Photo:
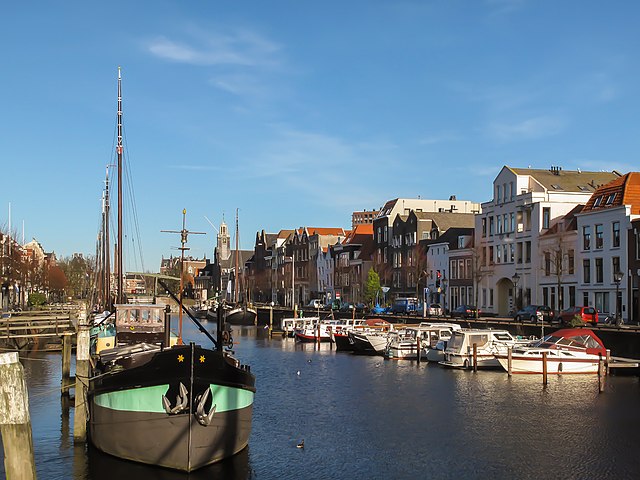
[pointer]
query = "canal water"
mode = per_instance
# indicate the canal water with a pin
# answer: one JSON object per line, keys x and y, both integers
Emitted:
{"x": 369, "y": 418}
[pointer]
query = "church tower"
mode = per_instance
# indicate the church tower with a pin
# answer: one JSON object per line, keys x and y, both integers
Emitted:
{"x": 224, "y": 242}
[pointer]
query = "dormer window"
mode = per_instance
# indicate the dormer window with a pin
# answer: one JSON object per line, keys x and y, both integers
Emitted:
{"x": 597, "y": 201}
{"x": 610, "y": 198}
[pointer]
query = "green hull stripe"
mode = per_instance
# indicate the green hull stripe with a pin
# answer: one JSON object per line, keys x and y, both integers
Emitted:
{"x": 149, "y": 399}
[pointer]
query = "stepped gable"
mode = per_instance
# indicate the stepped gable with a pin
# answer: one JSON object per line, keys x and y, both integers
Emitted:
{"x": 624, "y": 190}
{"x": 568, "y": 180}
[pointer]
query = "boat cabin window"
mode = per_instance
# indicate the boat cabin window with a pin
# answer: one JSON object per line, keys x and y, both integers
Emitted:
{"x": 140, "y": 316}
{"x": 502, "y": 336}
{"x": 456, "y": 341}
{"x": 479, "y": 339}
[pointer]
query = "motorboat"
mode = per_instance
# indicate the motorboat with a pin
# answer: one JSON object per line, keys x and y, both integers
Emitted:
{"x": 408, "y": 342}
{"x": 370, "y": 339}
{"x": 325, "y": 330}
{"x": 291, "y": 324}
{"x": 488, "y": 342}
{"x": 570, "y": 350}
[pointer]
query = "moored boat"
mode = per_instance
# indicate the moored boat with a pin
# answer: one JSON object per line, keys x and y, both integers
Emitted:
{"x": 150, "y": 401}
{"x": 411, "y": 341}
{"x": 570, "y": 350}
{"x": 488, "y": 342}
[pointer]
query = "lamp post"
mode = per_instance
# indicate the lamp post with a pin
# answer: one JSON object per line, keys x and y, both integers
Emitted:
{"x": 443, "y": 281}
{"x": 515, "y": 279}
{"x": 617, "y": 278}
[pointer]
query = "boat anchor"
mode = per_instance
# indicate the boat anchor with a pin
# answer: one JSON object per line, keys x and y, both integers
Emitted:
{"x": 204, "y": 419}
{"x": 182, "y": 401}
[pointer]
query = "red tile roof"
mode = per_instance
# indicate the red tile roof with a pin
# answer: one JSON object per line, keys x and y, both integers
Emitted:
{"x": 621, "y": 191}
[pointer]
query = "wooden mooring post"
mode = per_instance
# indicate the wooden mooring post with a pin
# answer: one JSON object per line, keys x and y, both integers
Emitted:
{"x": 66, "y": 365}
{"x": 82, "y": 380}
{"x": 15, "y": 422}
{"x": 601, "y": 371}
{"x": 544, "y": 368}
{"x": 270, "y": 321}
{"x": 418, "y": 349}
{"x": 475, "y": 357}
{"x": 510, "y": 361}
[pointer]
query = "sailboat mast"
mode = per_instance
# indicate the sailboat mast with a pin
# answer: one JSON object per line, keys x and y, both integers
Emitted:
{"x": 236, "y": 280}
{"x": 120, "y": 296}
{"x": 106, "y": 256}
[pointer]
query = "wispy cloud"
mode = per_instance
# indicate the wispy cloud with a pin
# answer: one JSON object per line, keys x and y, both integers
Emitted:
{"x": 531, "y": 128}
{"x": 239, "y": 47}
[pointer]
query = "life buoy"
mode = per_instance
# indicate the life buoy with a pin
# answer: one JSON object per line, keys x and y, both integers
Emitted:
{"x": 225, "y": 337}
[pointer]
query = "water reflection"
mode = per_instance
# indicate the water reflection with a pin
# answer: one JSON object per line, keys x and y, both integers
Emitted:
{"x": 367, "y": 417}
{"x": 106, "y": 467}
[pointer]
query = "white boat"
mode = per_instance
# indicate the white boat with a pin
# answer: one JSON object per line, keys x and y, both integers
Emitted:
{"x": 489, "y": 343}
{"x": 373, "y": 342}
{"x": 404, "y": 343}
{"x": 324, "y": 330}
{"x": 570, "y": 350}
{"x": 290, "y": 325}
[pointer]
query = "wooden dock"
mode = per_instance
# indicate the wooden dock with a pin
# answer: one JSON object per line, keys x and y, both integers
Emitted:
{"x": 36, "y": 329}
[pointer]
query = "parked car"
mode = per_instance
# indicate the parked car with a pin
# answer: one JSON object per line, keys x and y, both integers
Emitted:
{"x": 465, "y": 311}
{"x": 434, "y": 310}
{"x": 380, "y": 310}
{"x": 346, "y": 307}
{"x": 315, "y": 304}
{"x": 334, "y": 305}
{"x": 588, "y": 315}
{"x": 362, "y": 308}
{"x": 405, "y": 305}
{"x": 535, "y": 313}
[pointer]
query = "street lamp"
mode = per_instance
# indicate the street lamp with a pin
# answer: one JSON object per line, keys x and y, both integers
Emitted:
{"x": 515, "y": 279}
{"x": 617, "y": 278}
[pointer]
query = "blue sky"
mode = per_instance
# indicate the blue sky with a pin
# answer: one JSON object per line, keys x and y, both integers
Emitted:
{"x": 298, "y": 113}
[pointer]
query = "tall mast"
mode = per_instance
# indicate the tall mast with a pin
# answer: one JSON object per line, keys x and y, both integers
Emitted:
{"x": 236, "y": 280}
{"x": 120, "y": 296}
{"x": 184, "y": 233}
{"x": 106, "y": 257}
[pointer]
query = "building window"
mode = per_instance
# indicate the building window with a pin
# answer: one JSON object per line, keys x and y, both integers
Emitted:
{"x": 491, "y": 297}
{"x": 484, "y": 226}
{"x": 586, "y": 238}
{"x": 585, "y": 299}
{"x": 615, "y": 264}
{"x": 552, "y": 300}
{"x": 491, "y": 226}
{"x": 491, "y": 255}
{"x": 571, "y": 261}
{"x": 512, "y": 191}
{"x": 546, "y": 217}
{"x": 545, "y": 296}
{"x": 572, "y": 296}
{"x": 586, "y": 270}
{"x": 498, "y": 193}
{"x": 498, "y": 254}
{"x": 599, "y": 236}
{"x": 520, "y": 221}
{"x": 511, "y": 252}
{"x": 512, "y": 227}
{"x": 527, "y": 252}
{"x": 616, "y": 234}
{"x": 602, "y": 301}
{"x": 499, "y": 222}
{"x": 484, "y": 297}
{"x": 547, "y": 265}
{"x": 519, "y": 255}
{"x": 599, "y": 271}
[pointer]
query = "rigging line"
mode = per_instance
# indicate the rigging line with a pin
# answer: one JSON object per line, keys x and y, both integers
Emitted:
{"x": 136, "y": 223}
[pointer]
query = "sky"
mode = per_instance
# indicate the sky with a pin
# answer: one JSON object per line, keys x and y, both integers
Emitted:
{"x": 297, "y": 113}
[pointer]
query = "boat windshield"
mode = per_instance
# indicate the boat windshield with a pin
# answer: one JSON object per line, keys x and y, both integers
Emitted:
{"x": 455, "y": 342}
{"x": 502, "y": 336}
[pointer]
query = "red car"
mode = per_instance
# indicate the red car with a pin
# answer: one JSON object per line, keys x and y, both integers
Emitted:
{"x": 588, "y": 315}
